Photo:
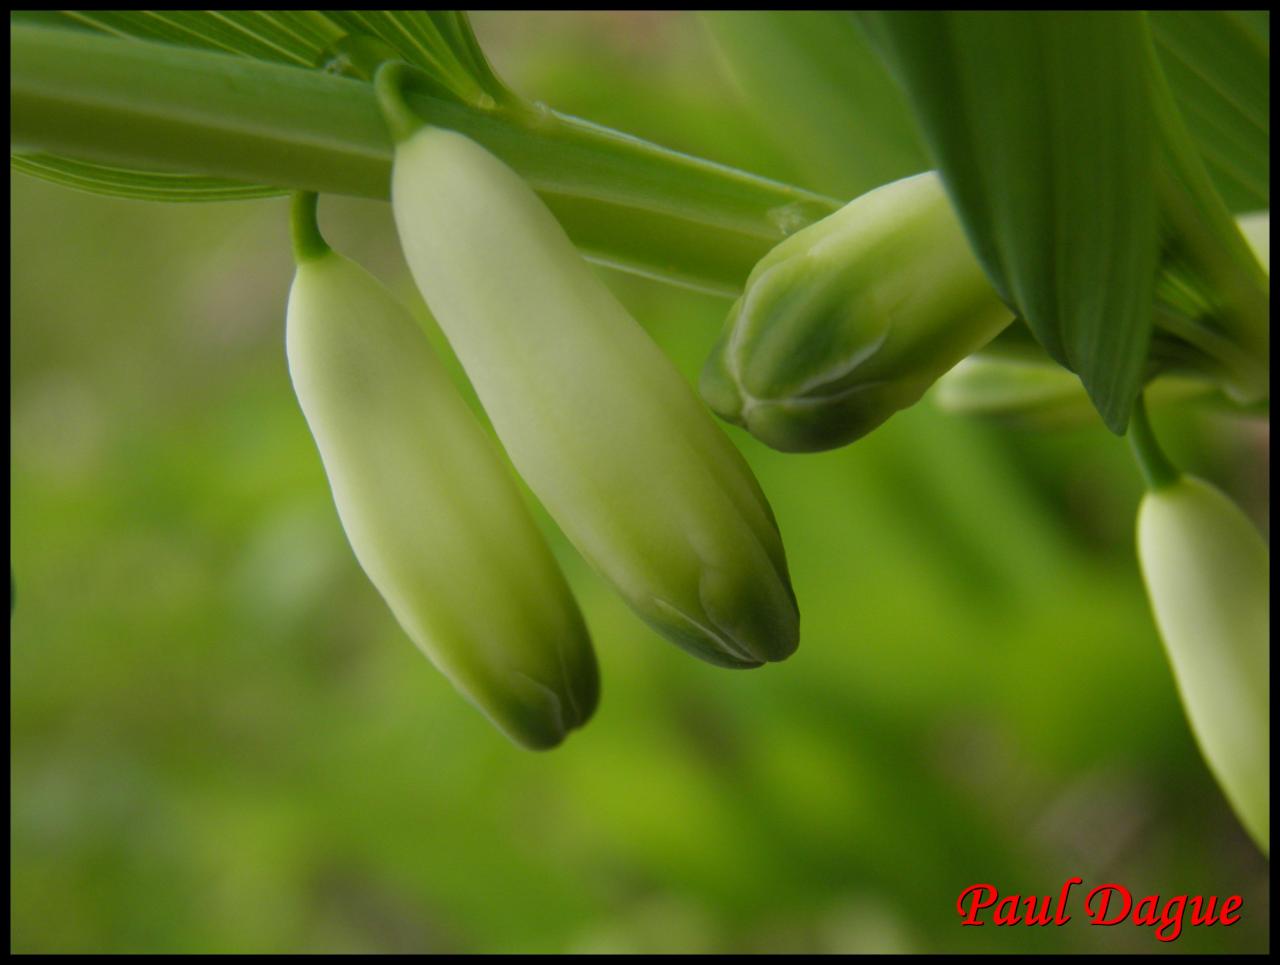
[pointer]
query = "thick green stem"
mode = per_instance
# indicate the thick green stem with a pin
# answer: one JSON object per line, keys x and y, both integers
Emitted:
{"x": 625, "y": 202}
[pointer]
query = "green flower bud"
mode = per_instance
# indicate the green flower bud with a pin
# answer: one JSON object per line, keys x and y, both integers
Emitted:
{"x": 599, "y": 423}
{"x": 1207, "y": 573}
{"x": 851, "y": 319}
{"x": 434, "y": 517}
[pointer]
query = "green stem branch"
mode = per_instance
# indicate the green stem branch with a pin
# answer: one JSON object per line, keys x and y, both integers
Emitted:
{"x": 624, "y": 201}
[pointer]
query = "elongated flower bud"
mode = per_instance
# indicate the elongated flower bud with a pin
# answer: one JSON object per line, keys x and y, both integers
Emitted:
{"x": 1034, "y": 393}
{"x": 1207, "y": 573}
{"x": 851, "y": 319}
{"x": 434, "y": 517}
{"x": 602, "y": 427}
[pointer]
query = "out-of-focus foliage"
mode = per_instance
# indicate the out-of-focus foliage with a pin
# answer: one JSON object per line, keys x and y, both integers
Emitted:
{"x": 1219, "y": 65}
{"x": 814, "y": 82}
{"x": 222, "y": 742}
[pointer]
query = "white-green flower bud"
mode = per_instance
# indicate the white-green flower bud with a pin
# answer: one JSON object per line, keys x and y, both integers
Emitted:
{"x": 434, "y": 517}
{"x": 600, "y": 424}
{"x": 1207, "y": 573}
{"x": 851, "y": 319}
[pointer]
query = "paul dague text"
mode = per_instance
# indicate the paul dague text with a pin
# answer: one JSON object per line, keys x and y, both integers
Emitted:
{"x": 1107, "y": 904}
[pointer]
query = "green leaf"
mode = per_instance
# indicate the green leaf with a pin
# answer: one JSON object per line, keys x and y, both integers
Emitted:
{"x": 1042, "y": 127}
{"x": 820, "y": 90}
{"x": 1218, "y": 63}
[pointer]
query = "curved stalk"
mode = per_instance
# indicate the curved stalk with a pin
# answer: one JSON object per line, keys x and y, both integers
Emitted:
{"x": 1157, "y": 470}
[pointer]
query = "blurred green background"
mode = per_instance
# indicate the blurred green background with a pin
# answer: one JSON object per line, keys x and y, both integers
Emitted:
{"x": 221, "y": 741}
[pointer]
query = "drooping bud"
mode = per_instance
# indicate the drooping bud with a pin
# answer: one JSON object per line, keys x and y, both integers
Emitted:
{"x": 1207, "y": 573}
{"x": 600, "y": 424}
{"x": 851, "y": 319}
{"x": 434, "y": 517}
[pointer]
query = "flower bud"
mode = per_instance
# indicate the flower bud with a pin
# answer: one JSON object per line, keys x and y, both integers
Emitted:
{"x": 603, "y": 428}
{"x": 1037, "y": 394}
{"x": 1207, "y": 573}
{"x": 851, "y": 319}
{"x": 434, "y": 517}
{"x": 1031, "y": 391}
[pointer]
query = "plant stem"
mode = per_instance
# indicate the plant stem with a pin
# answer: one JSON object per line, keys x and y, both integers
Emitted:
{"x": 1154, "y": 464}
{"x": 625, "y": 202}
{"x": 308, "y": 242}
